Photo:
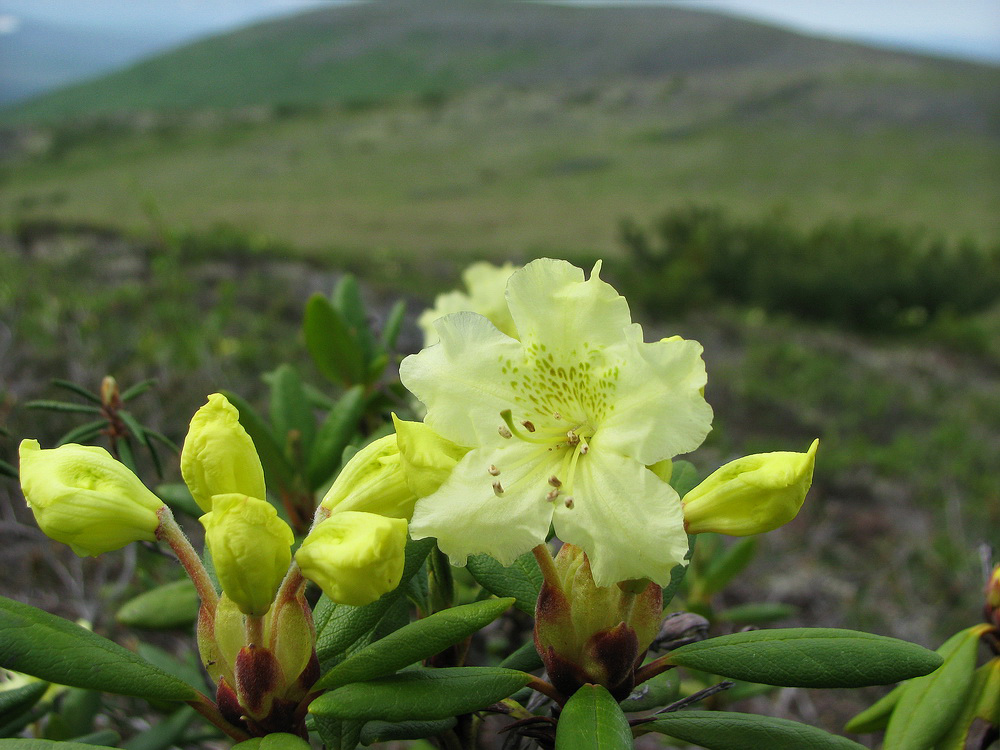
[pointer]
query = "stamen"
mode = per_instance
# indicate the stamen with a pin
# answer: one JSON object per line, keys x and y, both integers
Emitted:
{"x": 552, "y": 495}
{"x": 554, "y": 481}
{"x": 504, "y": 432}
{"x": 556, "y": 415}
{"x": 568, "y": 502}
{"x": 497, "y": 488}
{"x": 510, "y": 429}
{"x": 573, "y": 437}
{"x": 493, "y": 471}
{"x": 528, "y": 425}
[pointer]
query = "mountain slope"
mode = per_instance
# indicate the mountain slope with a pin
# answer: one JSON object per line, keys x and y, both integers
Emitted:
{"x": 427, "y": 48}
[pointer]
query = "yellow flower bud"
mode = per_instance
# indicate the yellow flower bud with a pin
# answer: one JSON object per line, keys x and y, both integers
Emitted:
{"x": 354, "y": 557}
{"x": 251, "y": 549}
{"x": 752, "y": 494}
{"x": 83, "y": 497}
{"x": 219, "y": 457}
{"x": 372, "y": 482}
{"x": 427, "y": 458}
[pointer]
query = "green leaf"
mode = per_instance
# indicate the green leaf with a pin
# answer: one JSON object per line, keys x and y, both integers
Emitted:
{"x": 172, "y": 605}
{"x": 342, "y": 629}
{"x": 125, "y": 454}
{"x": 592, "y": 720}
{"x": 727, "y": 730}
{"x": 347, "y": 300}
{"x": 160, "y": 437}
{"x": 277, "y": 469}
{"x": 43, "y": 645}
{"x": 388, "y": 731}
{"x": 525, "y": 658}
{"x": 137, "y": 390}
{"x": 756, "y": 613}
{"x": 163, "y": 735}
{"x": 79, "y": 390}
{"x": 336, "y": 734}
{"x": 74, "y": 716}
{"x": 17, "y": 701}
{"x": 334, "y": 434}
{"x": 808, "y": 657}
{"x": 414, "y": 642}
{"x": 393, "y": 325}
{"x": 678, "y": 573}
{"x": 291, "y": 414}
{"x": 684, "y": 477}
{"x": 106, "y": 737}
{"x": 67, "y": 406}
{"x": 522, "y": 580}
{"x": 275, "y": 741}
{"x": 83, "y": 433}
{"x": 178, "y": 497}
{"x": 8, "y": 470}
{"x": 658, "y": 691}
{"x": 930, "y": 704}
{"x": 31, "y": 744}
{"x": 725, "y": 567}
{"x": 331, "y": 346}
{"x": 376, "y": 367}
{"x": 982, "y": 705}
{"x": 875, "y": 718}
{"x": 421, "y": 694}
{"x": 188, "y": 669}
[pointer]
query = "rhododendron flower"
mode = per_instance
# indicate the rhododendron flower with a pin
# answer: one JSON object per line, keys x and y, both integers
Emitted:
{"x": 562, "y": 422}
{"x": 486, "y": 284}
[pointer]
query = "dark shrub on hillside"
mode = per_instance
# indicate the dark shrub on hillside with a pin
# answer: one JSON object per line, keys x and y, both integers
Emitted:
{"x": 859, "y": 274}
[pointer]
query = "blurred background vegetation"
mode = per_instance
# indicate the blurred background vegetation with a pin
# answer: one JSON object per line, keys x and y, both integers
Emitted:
{"x": 821, "y": 215}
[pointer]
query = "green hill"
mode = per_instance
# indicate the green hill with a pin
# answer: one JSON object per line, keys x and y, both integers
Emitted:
{"x": 509, "y": 127}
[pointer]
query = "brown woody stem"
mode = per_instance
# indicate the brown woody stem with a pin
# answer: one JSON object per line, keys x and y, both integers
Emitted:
{"x": 169, "y": 532}
{"x": 211, "y": 712}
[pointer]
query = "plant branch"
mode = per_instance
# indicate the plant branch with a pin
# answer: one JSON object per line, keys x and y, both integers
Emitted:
{"x": 171, "y": 533}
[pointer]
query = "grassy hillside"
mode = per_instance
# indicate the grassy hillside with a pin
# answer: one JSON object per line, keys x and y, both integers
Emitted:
{"x": 500, "y": 128}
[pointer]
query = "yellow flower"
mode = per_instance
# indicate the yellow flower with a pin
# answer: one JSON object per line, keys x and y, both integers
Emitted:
{"x": 486, "y": 284}
{"x": 219, "y": 457}
{"x": 752, "y": 494}
{"x": 427, "y": 459}
{"x": 251, "y": 549}
{"x": 83, "y": 497}
{"x": 354, "y": 557}
{"x": 372, "y": 482}
{"x": 561, "y": 422}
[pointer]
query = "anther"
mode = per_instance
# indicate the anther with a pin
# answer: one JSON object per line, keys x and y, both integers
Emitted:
{"x": 556, "y": 415}
{"x": 528, "y": 425}
{"x": 554, "y": 481}
{"x": 568, "y": 502}
{"x": 498, "y": 488}
{"x": 552, "y": 495}
{"x": 584, "y": 449}
{"x": 493, "y": 471}
{"x": 504, "y": 432}
{"x": 573, "y": 437}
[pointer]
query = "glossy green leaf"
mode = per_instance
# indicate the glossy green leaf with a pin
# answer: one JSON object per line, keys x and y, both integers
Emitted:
{"x": 334, "y": 435}
{"x": 102, "y": 737}
{"x": 982, "y": 706}
{"x": 40, "y": 644}
{"x": 929, "y": 705}
{"x": 525, "y": 658}
{"x": 331, "y": 346}
{"x": 662, "y": 689}
{"x": 347, "y": 300}
{"x": 274, "y": 741}
{"x": 393, "y": 325}
{"x": 592, "y": 720}
{"x": 808, "y": 657}
{"x": 342, "y": 629}
{"x": 79, "y": 390}
{"x": 138, "y": 389}
{"x": 756, "y": 613}
{"x": 729, "y": 564}
{"x": 291, "y": 414}
{"x": 727, "y": 730}
{"x": 67, "y": 406}
{"x": 74, "y": 716}
{"x": 337, "y": 734}
{"x": 277, "y": 468}
{"x": 422, "y": 694}
{"x": 414, "y": 642}
{"x": 388, "y": 731}
{"x": 172, "y": 605}
{"x": 17, "y": 701}
{"x": 187, "y": 668}
{"x": 679, "y": 573}
{"x": 165, "y": 734}
{"x": 521, "y": 580}
{"x": 875, "y": 718}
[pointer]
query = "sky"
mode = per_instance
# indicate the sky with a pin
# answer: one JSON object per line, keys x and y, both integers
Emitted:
{"x": 966, "y": 28}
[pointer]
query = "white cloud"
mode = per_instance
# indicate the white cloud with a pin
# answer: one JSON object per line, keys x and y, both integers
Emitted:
{"x": 9, "y": 23}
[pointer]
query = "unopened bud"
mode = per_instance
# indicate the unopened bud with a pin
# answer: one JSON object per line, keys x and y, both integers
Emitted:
{"x": 83, "y": 497}
{"x": 354, "y": 557}
{"x": 752, "y": 494}
{"x": 992, "y": 609}
{"x": 427, "y": 458}
{"x": 251, "y": 549}
{"x": 372, "y": 482}
{"x": 218, "y": 457}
